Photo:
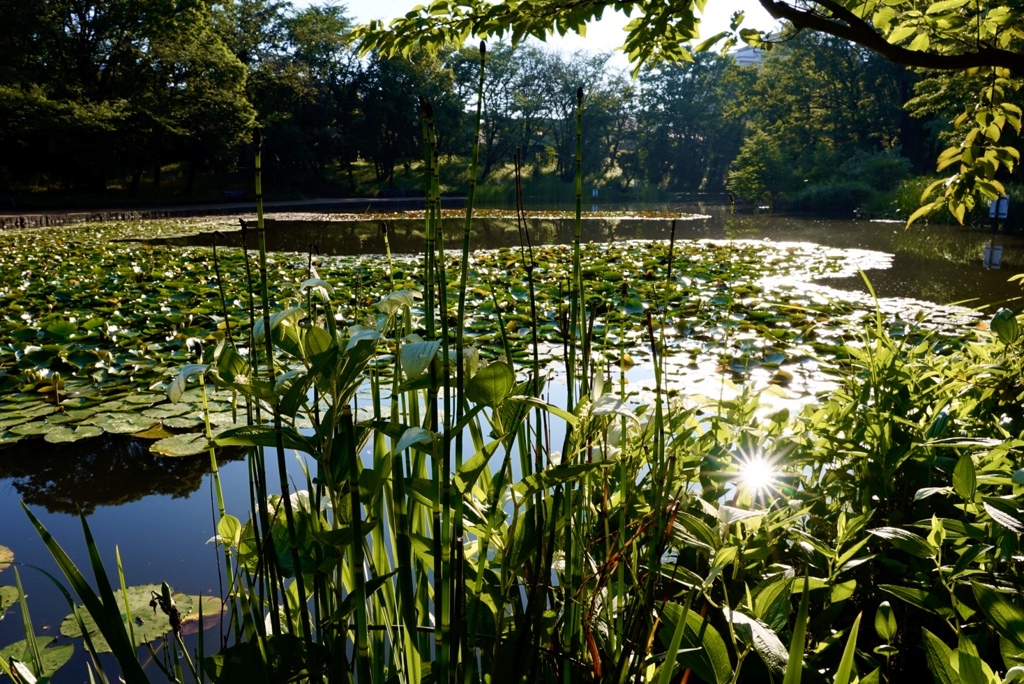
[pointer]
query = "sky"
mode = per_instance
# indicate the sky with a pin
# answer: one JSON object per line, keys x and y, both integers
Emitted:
{"x": 604, "y": 36}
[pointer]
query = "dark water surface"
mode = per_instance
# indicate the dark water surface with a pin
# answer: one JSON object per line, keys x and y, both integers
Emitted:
{"x": 160, "y": 511}
{"x": 941, "y": 264}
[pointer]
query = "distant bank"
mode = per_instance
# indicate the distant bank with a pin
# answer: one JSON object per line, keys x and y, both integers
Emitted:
{"x": 13, "y": 218}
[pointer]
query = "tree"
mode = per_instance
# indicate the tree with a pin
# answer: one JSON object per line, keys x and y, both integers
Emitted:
{"x": 99, "y": 89}
{"x": 557, "y": 80}
{"x": 689, "y": 124}
{"x": 823, "y": 101}
{"x": 945, "y": 35}
{"x": 197, "y": 94}
{"x": 760, "y": 173}
{"x": 316, "y": 122}
{"x": 389, "y": 126}
{"x": 513, "y": 108}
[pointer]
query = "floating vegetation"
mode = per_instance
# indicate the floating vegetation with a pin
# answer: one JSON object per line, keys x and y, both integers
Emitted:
{"x": 94, "y": 325}
{"x": 147, "y": 622}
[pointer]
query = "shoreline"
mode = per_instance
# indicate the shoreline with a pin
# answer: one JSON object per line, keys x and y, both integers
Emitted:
{"x": 63, "y": 217}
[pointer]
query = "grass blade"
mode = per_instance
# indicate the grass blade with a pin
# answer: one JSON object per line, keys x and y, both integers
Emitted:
{"x": 846, "y": 664}
{"x": 795, "y": 666}
{"x": 105, "y": 612}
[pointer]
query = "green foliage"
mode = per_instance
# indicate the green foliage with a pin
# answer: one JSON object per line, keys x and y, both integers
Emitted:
{"x": 945, "y": 35}
{"x": 837, "y": 198}
{"x": 761, "y": 172}
{"x": 897, "y": 485}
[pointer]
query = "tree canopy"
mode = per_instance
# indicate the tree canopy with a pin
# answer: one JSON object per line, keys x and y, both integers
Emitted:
{"x": 986, "y": 36}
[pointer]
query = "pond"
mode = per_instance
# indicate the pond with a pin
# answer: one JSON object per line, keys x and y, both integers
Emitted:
{"x": 940, "y": 264}
{"x": 159, "y": 511}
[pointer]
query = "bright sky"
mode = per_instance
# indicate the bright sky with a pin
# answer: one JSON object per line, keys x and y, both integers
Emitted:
{"x": 603, "y": 36}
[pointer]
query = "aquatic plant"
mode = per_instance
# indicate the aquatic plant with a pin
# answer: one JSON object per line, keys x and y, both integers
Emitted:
{"x": 464, "y": 517}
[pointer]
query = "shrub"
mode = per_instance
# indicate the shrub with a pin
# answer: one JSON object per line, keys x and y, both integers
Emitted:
{"x": 834, "y": 198}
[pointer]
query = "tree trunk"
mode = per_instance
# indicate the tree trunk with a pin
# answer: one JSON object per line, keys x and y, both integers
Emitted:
{"x": 133, "y": 189}
{"x": 193, "y": 170}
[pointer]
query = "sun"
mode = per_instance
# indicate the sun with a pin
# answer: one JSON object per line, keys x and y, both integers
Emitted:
{"x": 757, "y": 474}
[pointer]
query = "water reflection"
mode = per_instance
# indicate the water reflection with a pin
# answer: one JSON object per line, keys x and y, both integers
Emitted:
{"x": 405, "y": 236}
{"x": 942, "y": 264}
{"x": 105, "y": 471}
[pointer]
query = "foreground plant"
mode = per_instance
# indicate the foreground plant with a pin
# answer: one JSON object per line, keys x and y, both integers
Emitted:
{"x": 457, "y": 524}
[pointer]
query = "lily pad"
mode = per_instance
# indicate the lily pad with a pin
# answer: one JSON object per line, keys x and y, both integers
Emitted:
{"x": 62, "y": 328}
{"x": 155, "y": 432}
{"x": 184, "y": 422}
{"x": 52, "y": 658}
{"x": 212, "y": 609}
{"x": 8, "y": 597}
{"x": 147, "y": 399}
{"x": 168, "y": 411}
{"x": 188, "y": 444}
{"x": 65, "y": 434}
{"x": 123, "y": 423}
{"x": 36, "y": 428}
{"x": 147, "y": 625}
{"x": 6, "y": 558}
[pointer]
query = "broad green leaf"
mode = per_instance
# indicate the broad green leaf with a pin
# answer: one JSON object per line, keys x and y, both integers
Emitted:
{"x": 148, "y": 625}
{"x": 66, "y": 434}
{"x": 492, "y": 384}
{"x": 771, "y": 601}
{"x": 1004, "y": 612}
{"x": 710, "y": 661}
{"x": 467, "y": 475}
{"x": 186, "y": 444}
{"x": 885, "y": 622}
{"x": 945, "y": 6}
{"x": 728, "y": 514}
{"x": 230, "y": 530}
{"x": 316, "y": 342}
{"x": 178, "y": 385}
{"x": 939, "y": 657}
{"x": 901, "y": 33}
{"x": 411, "y": 436}
{"x": 906, "y": 541}
{"x": 417, "y": 356}
{"x": 62, "y": 329}
{"x": 212, "y": 608}
{"x": 764, "y": 640}
{"x": 52, "y": 657}
{"x": 264, "y": 436}
{"x": 398, "y": 300}
{"x": 8, "y": 597}
{"x": 843, "y": 590}
{"x": 969, "y": 662}
{"x": 281, "y": 318}
{"x": 932, "y": 603}
{"x": 555, "y": 475}
{"x": 1005, "y": 513}
{"x": 965, "y": 478}
{"x": 1004, "y": 324}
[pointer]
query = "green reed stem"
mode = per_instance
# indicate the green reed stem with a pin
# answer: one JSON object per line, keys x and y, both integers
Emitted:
{"x": 573, "y": 559}
{"x": 577, "y": 271}
{"x": 460, "y": 371}
{"x": 289, "y": 514}
{"x": 440, "y": 470}
{"x": 351, "y": 456}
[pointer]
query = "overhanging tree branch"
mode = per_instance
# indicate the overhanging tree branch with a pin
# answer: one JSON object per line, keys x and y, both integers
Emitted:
{"x": 844, "y": 24}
